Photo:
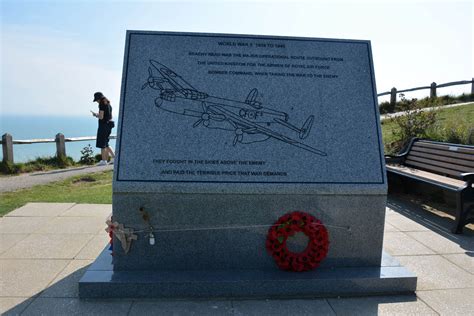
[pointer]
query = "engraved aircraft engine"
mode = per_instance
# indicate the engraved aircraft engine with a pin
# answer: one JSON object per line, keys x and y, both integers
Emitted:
{"x": 207, "y": 116}
{"x": 248, "y": 136}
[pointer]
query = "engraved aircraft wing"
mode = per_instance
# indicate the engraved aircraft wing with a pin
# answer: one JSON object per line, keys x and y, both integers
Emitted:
{"x": 176, "y": 81}
{"x": 235, "y": 119}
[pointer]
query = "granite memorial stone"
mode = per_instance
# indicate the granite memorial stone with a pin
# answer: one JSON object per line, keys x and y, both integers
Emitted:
{"x": 219, "y": 136}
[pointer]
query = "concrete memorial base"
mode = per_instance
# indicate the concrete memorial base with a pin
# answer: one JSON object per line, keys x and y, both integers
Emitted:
{"x": 100, "y": 281}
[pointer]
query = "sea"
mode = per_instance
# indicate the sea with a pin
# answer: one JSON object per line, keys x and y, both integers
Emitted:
{"x": 23, "y": 127}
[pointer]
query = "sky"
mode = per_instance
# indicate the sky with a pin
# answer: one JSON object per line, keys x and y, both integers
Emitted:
{"x": 56, "y": 54}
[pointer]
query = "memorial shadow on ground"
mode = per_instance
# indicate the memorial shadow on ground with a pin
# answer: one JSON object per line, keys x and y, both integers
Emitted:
{"x": 438, "y": 223}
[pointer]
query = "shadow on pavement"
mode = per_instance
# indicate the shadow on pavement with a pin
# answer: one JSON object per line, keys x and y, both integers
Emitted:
{"x": 437, "y": 223}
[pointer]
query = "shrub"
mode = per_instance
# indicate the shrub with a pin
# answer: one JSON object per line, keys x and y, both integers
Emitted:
{"x": 385, "y": 107}
{"x": 39, "y": 164}
{"x": 87, "y": 155}
{"x": 413, "y": 123}
{"x": 466, "y": 97}
{"x": 8, "y": 168}
{"x": 61, "y": 161}
{"x": 457, "y": 131}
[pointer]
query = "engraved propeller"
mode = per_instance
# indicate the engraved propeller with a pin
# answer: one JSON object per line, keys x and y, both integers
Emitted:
{"x": 207, "y": 115}
{"x": 239, "y": 132}
{"x": 239, "y": 136}
{"x": 151, "y": 81}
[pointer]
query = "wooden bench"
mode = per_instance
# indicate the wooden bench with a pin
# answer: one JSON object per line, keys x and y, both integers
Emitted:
{"x": 446, "y": 166}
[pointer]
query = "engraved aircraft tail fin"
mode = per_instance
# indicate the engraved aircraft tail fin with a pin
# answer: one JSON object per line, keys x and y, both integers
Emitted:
{"x": 252, "y": 99}
{"x": 306, "y": 129}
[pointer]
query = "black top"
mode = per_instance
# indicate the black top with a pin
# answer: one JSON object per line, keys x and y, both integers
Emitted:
{"x": 107, "y": 108}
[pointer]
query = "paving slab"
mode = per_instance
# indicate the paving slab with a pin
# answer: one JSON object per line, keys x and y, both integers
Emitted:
{"x": 74, "y": 225}
{"x": 48, "y": 246}
{"x": 65, "y": 284}
{"x": 74, "y": 306}
{"x": 89, "y": 210}
{"x": 463, "y": 261}
{"x": 181, "y": 308}
{"x": 26, "y": 278}
{"x": 390, "y": 228}
{"x": 450, "y": 302}
{"x": 399, "y": 243}
{"x": 41, "y": 209}
{"x": 94, "y": 247}
{"x": 381, "y": 305}
{"x": 23, "y": 225}
{"x": 9, "y": 240}
{"x": 403, "y": 223}
{"x": 450, "y": 243}
{"x": 13, "y": 305}
{"x": 435, "y": 272}
{"x": 282, "y": 307}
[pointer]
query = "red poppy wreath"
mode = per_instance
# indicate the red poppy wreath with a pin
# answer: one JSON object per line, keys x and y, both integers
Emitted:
{"x": 287, "y": 226}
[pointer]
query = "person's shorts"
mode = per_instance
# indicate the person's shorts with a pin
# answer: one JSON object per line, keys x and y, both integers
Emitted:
{"x": 103, "y": 133}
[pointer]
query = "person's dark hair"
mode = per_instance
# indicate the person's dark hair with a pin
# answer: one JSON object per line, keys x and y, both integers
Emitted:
{"x": 104, "y": 100}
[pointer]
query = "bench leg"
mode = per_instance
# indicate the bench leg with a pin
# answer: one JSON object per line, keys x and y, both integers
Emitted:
{"x": 461, "y": 214}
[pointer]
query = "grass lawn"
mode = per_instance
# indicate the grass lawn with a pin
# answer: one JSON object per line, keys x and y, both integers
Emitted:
{"x": 90, "y": 188}
{"x": 463, "y": 113}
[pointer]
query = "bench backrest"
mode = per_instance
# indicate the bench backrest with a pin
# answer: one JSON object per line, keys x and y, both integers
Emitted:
{"x": 441, "y": 158}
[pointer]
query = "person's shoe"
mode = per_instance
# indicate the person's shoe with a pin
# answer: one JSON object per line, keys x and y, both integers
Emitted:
{"x": 102, "y": 163}
{"x": 111, "y": 162}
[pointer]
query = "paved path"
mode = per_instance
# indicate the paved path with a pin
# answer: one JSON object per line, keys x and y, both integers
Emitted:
{"x": 12, "y": 183}
{"x": 46, "y": 247}
{"x": 392, "y": 115}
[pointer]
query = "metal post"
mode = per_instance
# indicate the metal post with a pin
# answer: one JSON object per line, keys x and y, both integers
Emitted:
{"x": 7, "y": 146}
{"x": 472, "y": 86}
{"x": 393, "y": 96}
{"x": 60, "y": 145}
{"x": 433, "y": 90}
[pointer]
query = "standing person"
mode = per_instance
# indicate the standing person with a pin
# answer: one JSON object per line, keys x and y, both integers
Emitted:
{"x": 105, "y": 128}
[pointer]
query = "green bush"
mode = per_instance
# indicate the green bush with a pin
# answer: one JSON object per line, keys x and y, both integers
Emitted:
{"x": 8, "y": 168}
{"x": 466, "y": 97}
{"x": 413, "y": 123}
{"x": 87, "y": 155}
{"x": 386, "y": 107}
{"x": 39, "y": 164}
{"x": 458, "y": 131}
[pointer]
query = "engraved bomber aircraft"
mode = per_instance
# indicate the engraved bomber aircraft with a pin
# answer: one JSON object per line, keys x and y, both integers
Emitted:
{"x": 248, "y": 120}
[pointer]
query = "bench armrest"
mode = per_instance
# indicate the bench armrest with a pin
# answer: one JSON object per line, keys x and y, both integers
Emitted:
{"x": 468, "y": 177}
{"x": 400, "y": 157}
{"x": 393, "y": 159}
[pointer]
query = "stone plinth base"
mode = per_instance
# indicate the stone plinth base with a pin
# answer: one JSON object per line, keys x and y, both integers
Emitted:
{"x": 100, "y": 281}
